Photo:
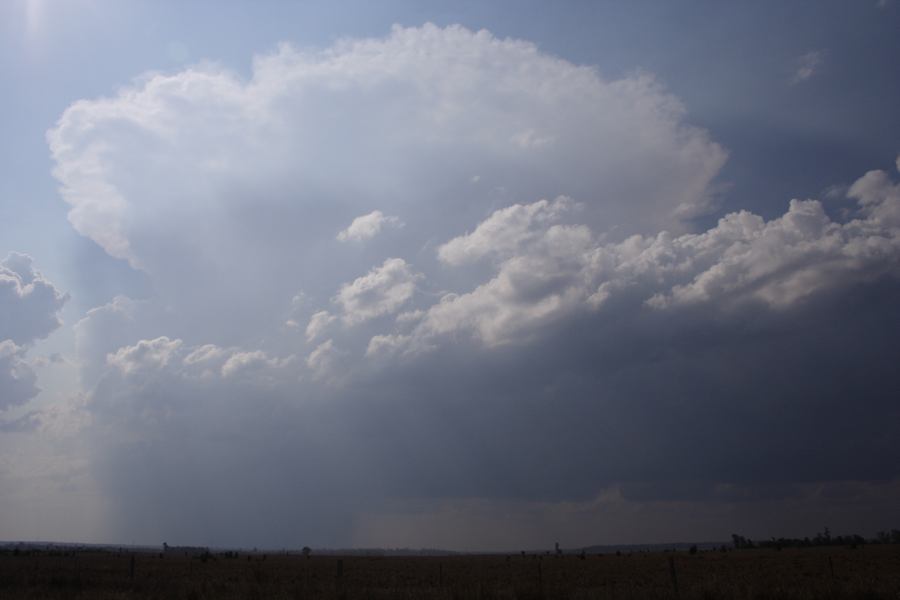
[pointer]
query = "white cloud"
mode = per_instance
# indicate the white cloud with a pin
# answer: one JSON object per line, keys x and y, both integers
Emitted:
{"x": 209, "y": 358}
{"x": 808, "y": 65}
{"x": 539, "y": 284}
{"x": 878, "y": 197}
{"x": 323, "y": 360}
{"x": 318, "y": 323}
{"x": 504, "y": 232}
{"x": 367, "y": 226}
{"x": 146, "y": 355}
{"x": 410, "y": 316}
{"x": 164, "y": 357}
{"x": 18, "y": 382}
{"x": 549, "y": 271}
{"x": 29, "y": 311}
{"x": 226, "y": 190}
{"x": 382, "y": 291}
{"x": 251, "y": 364}
{"x": 387, "y": 345}
{"x": 107, "y": 328}
{"x": 28, "y": 302}
{"x": 64, "y": 418}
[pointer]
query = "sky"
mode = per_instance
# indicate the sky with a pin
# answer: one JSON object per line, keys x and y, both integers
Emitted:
{"x": 462, "y": 275}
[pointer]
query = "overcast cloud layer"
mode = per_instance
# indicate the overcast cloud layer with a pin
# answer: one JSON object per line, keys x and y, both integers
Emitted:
{"x": 434, "y": 274}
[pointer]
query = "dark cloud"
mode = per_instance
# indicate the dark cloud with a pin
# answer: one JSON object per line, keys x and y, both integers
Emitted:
{"x": 687, "y": 409}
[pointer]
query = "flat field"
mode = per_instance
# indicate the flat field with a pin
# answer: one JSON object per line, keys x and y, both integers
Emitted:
{"x": 871, "y": 572}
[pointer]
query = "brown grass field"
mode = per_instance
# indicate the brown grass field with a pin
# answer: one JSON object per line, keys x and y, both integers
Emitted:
{"x": 871, "y": 572}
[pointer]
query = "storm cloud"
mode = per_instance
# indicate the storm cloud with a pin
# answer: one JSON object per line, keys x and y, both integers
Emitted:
{"x": 548, "y": 330}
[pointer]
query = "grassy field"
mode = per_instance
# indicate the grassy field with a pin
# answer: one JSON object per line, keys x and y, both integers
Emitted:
{"x": 871, "y": 572}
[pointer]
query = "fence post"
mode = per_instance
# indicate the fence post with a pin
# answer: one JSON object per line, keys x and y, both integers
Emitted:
{"x": 339, "y": 576}
{"x": 674, "y": 575}
{"x": 540, "y": 579}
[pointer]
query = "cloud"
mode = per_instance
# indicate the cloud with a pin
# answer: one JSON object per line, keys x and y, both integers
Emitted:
{"x": 247, "y": 364}
{"x": 382, "y": 291}
{"x": 546, "y": 271}
{"x": 146, "y": 355}
{"x": 226, "y": 190}
{"x": 29, "y": 311}
{"x": 808, "y": 65}
{"x": 367, "y": 226}
{"x": 64, "y": 419}
{"x": 389, "y": 345}
{"x": 318, "y": 323}
{"x": 106, "y": 329}
{"x": 150, "y": 358}
{"x": 532, "y": 287}
{"x": 18, "y": 382}
{"x": 878, "y": 197}
{"x": 556, "y": 330}
{"x": 636, "y": 400}
{"x": 504, "y": 232}
{"x": 28, "y": 302}
{"x": 323, "y": 359}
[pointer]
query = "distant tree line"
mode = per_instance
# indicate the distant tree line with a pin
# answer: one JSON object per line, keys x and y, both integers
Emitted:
{"x": 823, "y": 538}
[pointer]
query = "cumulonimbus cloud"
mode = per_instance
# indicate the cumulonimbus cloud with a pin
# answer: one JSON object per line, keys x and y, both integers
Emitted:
{"x": 225, "y": 190}
{"x": 228, "y": 191}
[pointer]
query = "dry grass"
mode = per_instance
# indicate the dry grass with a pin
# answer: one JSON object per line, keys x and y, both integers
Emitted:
{"x": 871, "y": 572}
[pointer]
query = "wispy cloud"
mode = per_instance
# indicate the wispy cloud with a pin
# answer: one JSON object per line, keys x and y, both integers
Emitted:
{"x": 807, "y": 65}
